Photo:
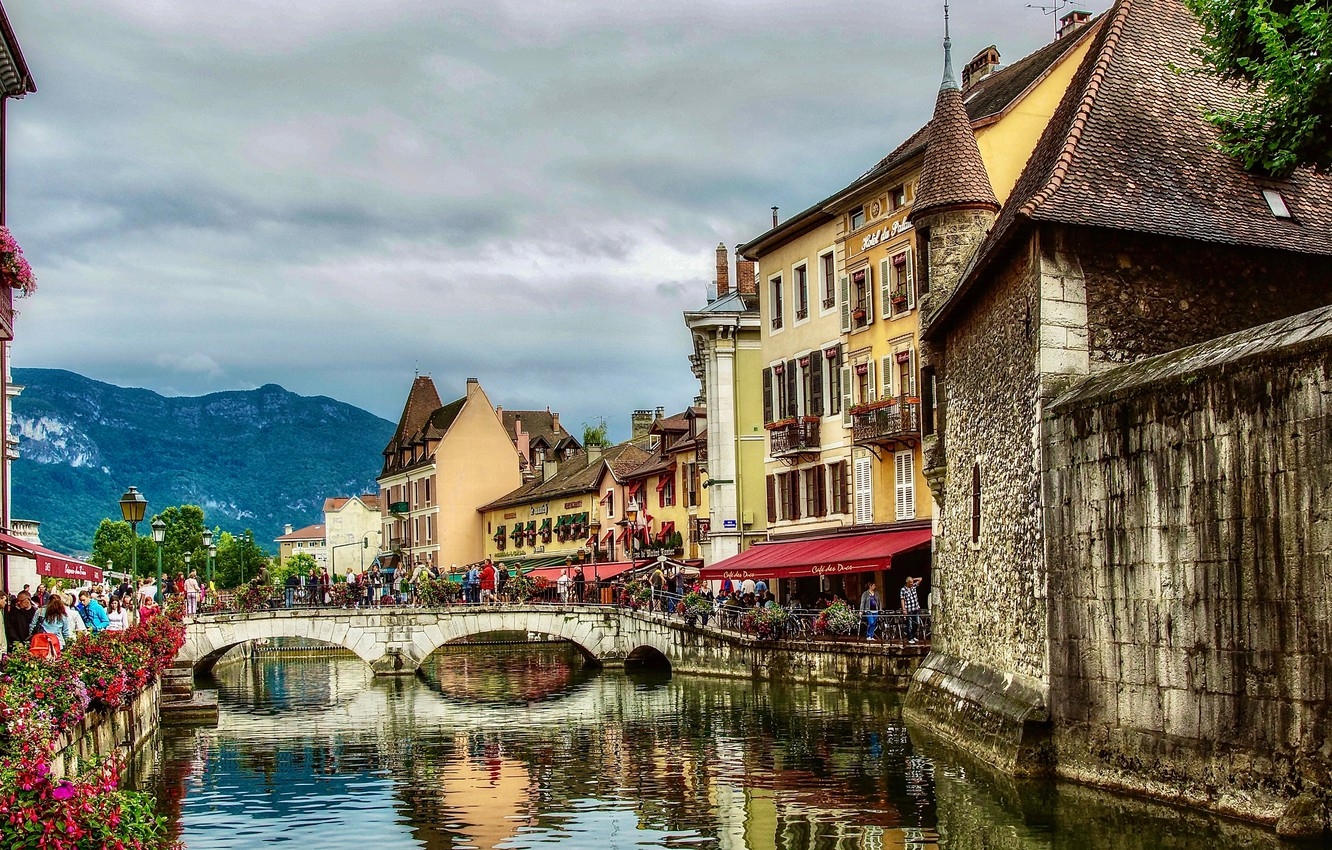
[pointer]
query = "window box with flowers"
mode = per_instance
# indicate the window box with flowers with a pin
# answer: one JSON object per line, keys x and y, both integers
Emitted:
{"x": 779, "y": 424}
{"x": 14, "y": 268}
{"x": 858, "y": 314}
{"x": 871, "y": 406}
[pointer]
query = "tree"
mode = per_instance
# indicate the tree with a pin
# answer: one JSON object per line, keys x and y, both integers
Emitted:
{"x": 596, "y": 435}
{"x": 238, "y": 559}
{"x": 299, "y": 564}
{"x": 112, "y": 542}
{"x": 1281, "y": 52}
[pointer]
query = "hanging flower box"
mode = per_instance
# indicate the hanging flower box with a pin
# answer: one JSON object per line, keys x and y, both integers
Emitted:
{"x": 780, "y": 423}
{"x": 858, "y": 314}
{"x": 14, "y": 269}
{"x": 871, "y": 406}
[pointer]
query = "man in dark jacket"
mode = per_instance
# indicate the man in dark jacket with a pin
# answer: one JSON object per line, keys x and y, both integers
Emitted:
{"x": 18, "y": 619}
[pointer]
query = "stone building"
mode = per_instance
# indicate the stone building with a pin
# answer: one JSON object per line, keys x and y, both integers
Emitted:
{"x": 1087, "y": 621}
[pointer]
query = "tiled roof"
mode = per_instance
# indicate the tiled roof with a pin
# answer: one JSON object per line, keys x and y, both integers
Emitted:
{"x": 578, "y": 474}
{"x": 984, "y": 101}
{"x": 538, "y": 424}
{"x": 954, "y": 174}
{"x": 1129, "y": 148}
{"x": 336, "y": 503}
{"x": 310, "y": 532}
{"x": 422, "y": 400}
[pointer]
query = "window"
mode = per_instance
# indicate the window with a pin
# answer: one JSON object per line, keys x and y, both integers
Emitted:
{"x": 857, "y": 218}
{"x": 975, "y": 503}
{"x": 837, "y": 477}
{"x": 858, "y": 308}
{"x": 896, "y": 276}
{"x": 666, "y": 490}
{"x": 691, "y": 479}
{"x": 923, "y": 259}
{"x": 610, "y": 503}
{"x": 775, "y": 287}
{"x": 816, "y": 491}
{"x": 789, "y": 485}
{"x": 801, "y": 275}
{"x": 864, "y": 485}
{"x": 904, "y": 477}
{"x": 427, "y": 491}
{"x": 829, "y": 284}
{"x": 814, "y": 394}
{"x": 772, "y": 499}
{"x": 897, "y": 198}
{"x": 833, "y": 371}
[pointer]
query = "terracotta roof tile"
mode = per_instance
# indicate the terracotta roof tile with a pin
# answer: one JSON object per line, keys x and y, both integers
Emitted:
{"x": 575, "y": 475}
{"x": 310, "y": 532}
{"x": 954, "y": 174}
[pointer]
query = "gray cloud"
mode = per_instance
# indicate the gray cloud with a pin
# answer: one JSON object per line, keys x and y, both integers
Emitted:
{"x": 328, "y": 194}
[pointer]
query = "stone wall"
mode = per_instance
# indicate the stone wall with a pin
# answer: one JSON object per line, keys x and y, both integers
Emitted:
{"x": 101, "y": 733}
{"x": 1191, "y": 573}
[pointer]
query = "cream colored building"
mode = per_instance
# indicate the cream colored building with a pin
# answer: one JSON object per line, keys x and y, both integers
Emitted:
{"x": 444, "y": 461}
{"x": 353, "y": 528}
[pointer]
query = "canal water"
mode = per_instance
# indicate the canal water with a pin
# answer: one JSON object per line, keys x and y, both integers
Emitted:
{"x": 520, "y": 747}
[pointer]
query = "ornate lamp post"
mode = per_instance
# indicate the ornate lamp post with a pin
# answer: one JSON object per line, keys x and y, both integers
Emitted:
{"x": 595, "y": 527}
{"x": 211, "y": 550}
{"x": 132, "y": 507}
{"x": 159, "y": 537}
{"x": 188, "y": 555}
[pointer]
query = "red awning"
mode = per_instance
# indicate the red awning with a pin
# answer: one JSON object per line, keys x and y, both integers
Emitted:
{"x": 604, "y": 571}
{"x": 51, "y": 563}
{"x": 844, "y": 553}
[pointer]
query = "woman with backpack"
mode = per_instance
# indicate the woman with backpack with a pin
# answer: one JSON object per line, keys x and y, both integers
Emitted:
{"x": 53, "y": 621}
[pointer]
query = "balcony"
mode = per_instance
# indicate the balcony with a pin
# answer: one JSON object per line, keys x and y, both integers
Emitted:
{"x": 887, "y": 423}
{"x": 789, "y": 437}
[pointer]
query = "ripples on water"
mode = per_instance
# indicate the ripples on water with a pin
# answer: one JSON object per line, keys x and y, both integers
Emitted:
{"x": 520, "y": 747}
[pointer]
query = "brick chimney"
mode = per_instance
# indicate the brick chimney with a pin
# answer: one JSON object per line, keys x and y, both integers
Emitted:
{"x": 640, "y": 423}
{"x": 723, "y": 272}
{"x": 982, "y": 65}
{"x": 744, "y": 275}
{"x": 1072, "y": 22}
{"x": 554, "y": 422}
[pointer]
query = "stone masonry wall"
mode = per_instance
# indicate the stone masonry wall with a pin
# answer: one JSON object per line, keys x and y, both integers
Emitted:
{"x": 1190, "y": 557}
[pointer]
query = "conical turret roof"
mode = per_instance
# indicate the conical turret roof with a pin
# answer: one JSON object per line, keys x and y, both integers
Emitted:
{"x": 953, "y": 176}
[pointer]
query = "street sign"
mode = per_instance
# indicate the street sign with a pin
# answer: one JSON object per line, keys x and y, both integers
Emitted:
{"x": 730, "y": 524}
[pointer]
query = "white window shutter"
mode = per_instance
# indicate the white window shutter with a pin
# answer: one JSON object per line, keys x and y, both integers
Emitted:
{"x": 870, "y": 386}
{"x": 912, "y": 375}
{"x": 888, "y": 372}
{"x": 846, "y": 304}
{"x": 846, "y": 396}
{"x": 869, "y": 295}
{"x": 910, "y": 279}
{"x": 905, "y": 479}
{"x": 885, "y": 295}
{"x": 864, "y": 491}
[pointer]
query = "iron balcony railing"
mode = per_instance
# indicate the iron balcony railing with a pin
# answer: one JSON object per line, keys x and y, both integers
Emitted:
{"x": 893, "y": 422}
{"x": 799, "y": 435}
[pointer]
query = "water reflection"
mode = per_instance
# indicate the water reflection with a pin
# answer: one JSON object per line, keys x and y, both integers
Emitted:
{"x": 522, "y": 748}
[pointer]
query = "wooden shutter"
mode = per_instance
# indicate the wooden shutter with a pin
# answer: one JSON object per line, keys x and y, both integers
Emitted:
{"x": 792, "y": 388}
{"x": 910, "y": 279}
{"x": 820, "y": 490}
{"x": 889, "y": 364}
{"x": 846, "y": 304}
{"x": 847, "y": 378}
{"x": 767, "y": 395}
{"x": 864, "y": 491}
{"x": 772, "y": 499}
{"x": 885, "y": 292}
{"x": 815, "y": 407}
{"x": 869, "y": 295}
{"x": 871, "y": 387}
{"x": 904, "y": 474}
{"x": 793, "y": 493}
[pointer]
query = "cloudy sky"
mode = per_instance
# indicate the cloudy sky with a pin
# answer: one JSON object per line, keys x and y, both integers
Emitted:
{"x": 329, "y": 194}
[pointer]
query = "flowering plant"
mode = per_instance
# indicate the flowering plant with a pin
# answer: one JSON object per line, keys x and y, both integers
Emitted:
{"x": 697, "y": 604}
{"x": 434, "y": 592}
{"x": 837, "y": 619}
{"x": 253, "y": 597}
{"x": 766, "y": 622}
{"x": 14, "y": 268}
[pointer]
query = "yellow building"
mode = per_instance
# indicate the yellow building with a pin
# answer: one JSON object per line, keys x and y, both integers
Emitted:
{"x": 443, "y": 461}
{"x": 352, "y": 529}
{"x": 841, "y": 372}
{"x": 540, "y": 524}
{"x": 668, "y": 488}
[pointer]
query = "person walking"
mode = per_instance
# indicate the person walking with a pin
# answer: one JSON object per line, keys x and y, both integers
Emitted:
{"x": 488, "y": 583}
{"x": 55, "y": 620}
{"x": 192, "y": 593}
{"x": 911, "y": 606}
{"x": 93, "y": 613}
{"x": 869, "y": 611}
{"x": 579, "y": 584}
{"x": 117, "y": 618}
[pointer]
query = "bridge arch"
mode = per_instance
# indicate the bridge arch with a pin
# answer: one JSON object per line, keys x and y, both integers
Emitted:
{"x": 397, "y": 641}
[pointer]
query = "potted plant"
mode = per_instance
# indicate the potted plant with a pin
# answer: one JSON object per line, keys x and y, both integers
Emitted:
{"x": 858, "y": 314}
{"x": 765, "y": 623}
{"x": 697, "y": 606}
{"x": 14, "y": 268}
{"x": 778, "y": 424}
{"x": 837, "y": 619}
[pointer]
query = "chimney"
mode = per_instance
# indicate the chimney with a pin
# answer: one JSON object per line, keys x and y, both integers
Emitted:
{"x": 286, "y": 529}
{"x": 522, "y": 441}
{"x": 774, "y": 216}
{"x": 548, "y": 469}
{"x": 661, "y": 413}
{"x": 982, "y": 65}
{"x": 640, "y": 423}
{"x": 744, "y": 275}
{"x": 1072, "y": 22}
{"x": 594, "y": 455}
{"x": 473, "y": 385}
{"x": 723, "y": 271}
{"x": 555, "y": 422}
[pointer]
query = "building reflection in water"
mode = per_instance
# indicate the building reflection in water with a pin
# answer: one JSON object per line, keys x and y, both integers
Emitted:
{"x": 523, "y": 748}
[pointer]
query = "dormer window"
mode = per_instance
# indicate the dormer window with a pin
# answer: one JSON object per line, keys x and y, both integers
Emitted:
{"x": 1276, "y": 203}
{"x": 858, "y": 218}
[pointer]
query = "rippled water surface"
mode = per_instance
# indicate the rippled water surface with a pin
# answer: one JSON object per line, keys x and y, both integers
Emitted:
{"x": 520, "y": 747}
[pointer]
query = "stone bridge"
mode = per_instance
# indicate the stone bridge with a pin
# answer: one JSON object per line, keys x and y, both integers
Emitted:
{"x": 396, "y": 641}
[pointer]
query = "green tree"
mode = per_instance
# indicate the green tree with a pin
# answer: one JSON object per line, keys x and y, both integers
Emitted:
{"x": 113, "y": 542}
{"x": 300, "y": 564}
{"x": 184, "y": 533}
{"x": 1281, "y": 52}
{"x": 596, "y": 435}
{"x": 238, "y": 559}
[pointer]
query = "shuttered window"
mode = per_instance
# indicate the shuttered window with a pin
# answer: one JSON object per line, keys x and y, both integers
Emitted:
{"x": 772, "y": 499}
{"x": 904, "y": 474}
{"x": 792, "y": 388}
{"x": 815, "y": 383}
{"x": 864, "y": 491}
{"x": 767, "y": 396}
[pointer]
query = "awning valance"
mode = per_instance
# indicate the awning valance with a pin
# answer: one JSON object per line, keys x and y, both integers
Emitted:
{"x": 51, "y": 563}
{"x": 820, "y": 556}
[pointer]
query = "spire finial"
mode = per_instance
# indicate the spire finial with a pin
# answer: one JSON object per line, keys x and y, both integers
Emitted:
{"x": 949, "y": 81}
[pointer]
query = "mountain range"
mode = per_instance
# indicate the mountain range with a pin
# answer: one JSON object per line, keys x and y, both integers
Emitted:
{"x": 253, "y": 459}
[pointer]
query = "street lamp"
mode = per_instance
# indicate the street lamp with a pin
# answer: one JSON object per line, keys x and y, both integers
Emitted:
{"x": 159, "y": 537}
{"x": 595, "y": 527}
{"x": 188, "y": 555}
{"x": 211, "y": 550}
{"x": 132, "y": 507}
